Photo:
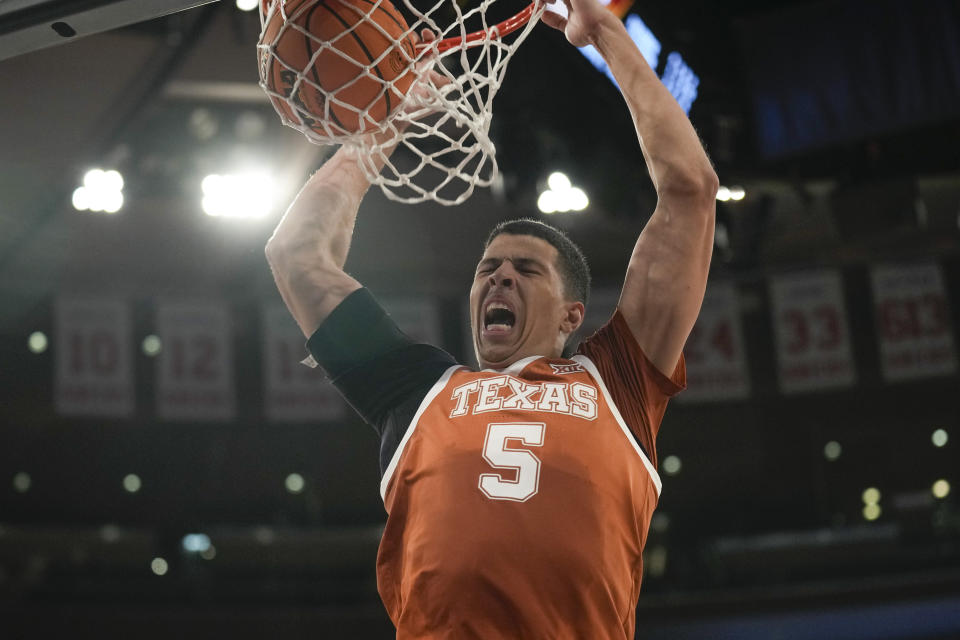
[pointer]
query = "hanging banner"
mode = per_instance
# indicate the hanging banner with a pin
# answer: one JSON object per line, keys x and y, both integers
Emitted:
{"x": 94, "y": 368}
{"x": 715, "y": 356}
{"x": 416, "y": 317}
{"x": 292, "y": 391}
{"x": 811, "y": 333}
{"x": 913, "y": 321}
{"x": 195, "y": 365}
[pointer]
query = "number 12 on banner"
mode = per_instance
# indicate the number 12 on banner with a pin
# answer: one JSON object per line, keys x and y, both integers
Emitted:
{"x": 195, "y": 380}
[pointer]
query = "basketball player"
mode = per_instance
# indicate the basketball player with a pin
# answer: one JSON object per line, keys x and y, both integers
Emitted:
{"x": 519, "y": 496}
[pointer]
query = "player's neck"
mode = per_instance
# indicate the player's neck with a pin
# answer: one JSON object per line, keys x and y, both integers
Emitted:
{"x": 525, "y": 354}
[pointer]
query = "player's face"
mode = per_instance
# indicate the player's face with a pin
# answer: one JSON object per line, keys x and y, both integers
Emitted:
{"x": 517, "y": 302}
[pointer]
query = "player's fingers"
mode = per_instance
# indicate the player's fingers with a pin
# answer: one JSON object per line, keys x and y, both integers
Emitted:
{"x": 553, "y": 20}
{"x": 427, "y": 35}
{"x": 441, "y": 82}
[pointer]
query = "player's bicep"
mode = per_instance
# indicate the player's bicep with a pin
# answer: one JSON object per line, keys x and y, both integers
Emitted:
{"x": 667, "y": 277}
{"x": 311, "y": 292}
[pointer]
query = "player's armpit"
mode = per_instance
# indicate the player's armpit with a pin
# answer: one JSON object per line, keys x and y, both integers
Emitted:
{"x": 667, "y": 276}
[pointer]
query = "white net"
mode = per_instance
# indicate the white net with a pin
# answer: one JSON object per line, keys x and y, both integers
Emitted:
{"x": 350, "y": 72}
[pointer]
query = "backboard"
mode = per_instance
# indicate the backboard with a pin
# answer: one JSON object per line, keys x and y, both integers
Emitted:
{"x": 28, "y": 25}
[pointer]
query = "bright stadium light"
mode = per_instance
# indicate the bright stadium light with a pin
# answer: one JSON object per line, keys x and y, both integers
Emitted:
{"x": 196, "y": 542}
{"x": 871, "y": 511}
{"x": 672, "y": 465}
{"x": 159, "y": 566}
{"x": 940, "y": 438}
{"x": 132, "y": 483}
{"x": 294, "y": 483}
{"x": 102, "y": 191}
{"x": 37, "y": 342}
{"x": 247, "y": 5}
{"x": 726, "y": 194}
{"x": 561, "y": 196}
{"x": 941, "y": 489}
{"x": 548, "y": 202}
{"x": 832, "y": 450}
{"x": 239, "y": 195}
{"x": 151, "y": 346}
{"x": 558, "y": 181}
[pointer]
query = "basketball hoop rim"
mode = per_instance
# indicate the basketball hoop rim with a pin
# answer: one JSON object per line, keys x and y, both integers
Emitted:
{"x": 475, "y": 38}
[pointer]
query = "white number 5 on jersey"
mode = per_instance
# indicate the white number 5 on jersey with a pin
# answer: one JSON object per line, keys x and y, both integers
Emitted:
{"x": 500, "y": 456}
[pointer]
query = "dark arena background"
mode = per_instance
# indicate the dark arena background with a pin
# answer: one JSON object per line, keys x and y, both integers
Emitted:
{"x": 167, "y": 469}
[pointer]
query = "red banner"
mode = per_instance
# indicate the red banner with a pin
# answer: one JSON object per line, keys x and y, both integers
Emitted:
{"x": 810, "y": 328}
{"x": 195, "y": 365}
{"x": 913, "y": 321}
{"x": 93, "y": 357}
{"x": 293, "y": 392}
{"x": 716, "y": 361}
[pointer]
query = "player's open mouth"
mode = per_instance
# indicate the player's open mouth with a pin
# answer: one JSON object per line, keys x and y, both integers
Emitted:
{"x": 498, "y": 318}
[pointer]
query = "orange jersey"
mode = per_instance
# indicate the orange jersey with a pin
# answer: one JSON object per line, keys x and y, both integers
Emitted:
{"x": 519, "y": 500}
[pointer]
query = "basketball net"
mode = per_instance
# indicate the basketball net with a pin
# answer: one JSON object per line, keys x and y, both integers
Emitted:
{"x": 441, "y": 128}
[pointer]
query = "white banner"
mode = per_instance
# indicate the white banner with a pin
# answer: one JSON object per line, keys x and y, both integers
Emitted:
{"x": 293, "y": 392}
{"x": 195, "y": 365}
{"x": 810, "y": 328}
{"x": 913, "y": 321}
{"x": 416, "y": 317}
{"x": 716, "y": 360}
{"x": 93, "y": 357}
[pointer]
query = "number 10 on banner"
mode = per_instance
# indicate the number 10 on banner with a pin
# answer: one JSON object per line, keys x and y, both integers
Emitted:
{"x": 94, "y": 364}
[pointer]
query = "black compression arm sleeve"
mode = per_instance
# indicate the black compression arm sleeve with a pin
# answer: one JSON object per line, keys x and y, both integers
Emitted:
{"x": 381, "y": 372}
{"x": 356, "y": 332}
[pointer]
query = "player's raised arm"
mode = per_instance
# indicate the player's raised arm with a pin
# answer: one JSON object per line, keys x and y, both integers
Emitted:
{"x": 309, "y": 247}
{"x": 667, "y": 275}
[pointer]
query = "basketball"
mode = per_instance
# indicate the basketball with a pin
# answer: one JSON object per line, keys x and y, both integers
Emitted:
{"x": 346, "y": 63}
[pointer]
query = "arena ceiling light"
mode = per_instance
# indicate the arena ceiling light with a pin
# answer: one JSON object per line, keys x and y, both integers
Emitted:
{"x": 940, "y": 438}
{"x": 37, "y": 342}
{"x": 725, "y": 194}
{"x": 561, "y": 196}
{"x": 101, "y": 191}
{"x": 238, "y": 195}
{"x": 196, "y": 542}
{"x": 247, "y": 5}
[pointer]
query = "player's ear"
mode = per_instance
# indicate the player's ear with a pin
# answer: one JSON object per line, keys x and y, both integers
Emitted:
{"x": 572, "y": 318}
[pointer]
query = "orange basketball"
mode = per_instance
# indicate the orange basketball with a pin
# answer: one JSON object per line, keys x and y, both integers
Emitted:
{"x": 361, "y": 62}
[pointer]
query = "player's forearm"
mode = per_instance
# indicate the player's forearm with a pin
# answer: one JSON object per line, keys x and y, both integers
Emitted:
{"x": 309, "y": 247}
{"x": 319, "y": 224}
{"x": 676, "y": 160}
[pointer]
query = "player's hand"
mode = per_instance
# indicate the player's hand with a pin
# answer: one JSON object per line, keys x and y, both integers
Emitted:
{"x": 584, "y": 21}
